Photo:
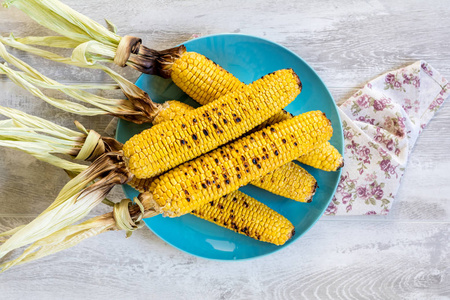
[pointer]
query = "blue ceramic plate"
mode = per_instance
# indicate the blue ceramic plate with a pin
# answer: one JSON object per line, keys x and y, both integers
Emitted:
{"x": 248, "y": 58}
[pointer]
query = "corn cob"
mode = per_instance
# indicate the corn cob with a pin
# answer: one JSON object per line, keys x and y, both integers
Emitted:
{"x": 246, "y": 215}
{"x": 166, "y": 145}
{"x": 198, "y": 76}
{"x": 290, "y": 181}
{"x": 224, "y": 170}
{"x": 239, "y": 212}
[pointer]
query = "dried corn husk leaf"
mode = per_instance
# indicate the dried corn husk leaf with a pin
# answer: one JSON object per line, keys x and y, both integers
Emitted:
{"x": 22, "y": 119}
{"x": 138, "y": 109}
{"x": 38, "y": 150}
{"x": 72, "y": 204}
{"x": 75, "y": 27}
{"x": 107, "y": 46}
{"x": 32, "y": 76}
{"x": 62, "y": 239}
{"x": 64, "y": 20}
{"x": 125, "y": 216}
{"x": 49, "y": 41}
{"x": 3, "y": 235}
{"x": 43, "y": 139}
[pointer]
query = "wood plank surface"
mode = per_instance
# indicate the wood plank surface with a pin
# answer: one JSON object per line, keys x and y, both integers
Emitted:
{"x": 404, "y": 255}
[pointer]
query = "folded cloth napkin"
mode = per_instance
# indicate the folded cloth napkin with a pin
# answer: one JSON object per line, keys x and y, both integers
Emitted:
{"x": 381, "y": 123}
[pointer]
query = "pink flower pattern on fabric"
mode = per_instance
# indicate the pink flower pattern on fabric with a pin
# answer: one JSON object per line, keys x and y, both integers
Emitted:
{"x": 381, "y": 123}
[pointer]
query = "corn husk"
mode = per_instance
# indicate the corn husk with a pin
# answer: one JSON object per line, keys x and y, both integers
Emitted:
{"x": 41, "y": 138}
{"x": 126, "y": 216}
{"x": 44, "y": 140}
{"x": 91, "y": 40}
{"x": 75, "y": 28}
{"x": 62, "y": 239}
{"x": 139, "y": 108}
{"x": 30, "y": 79}
{"x": 72, "y": 204}
{"x": 64, "y": 20}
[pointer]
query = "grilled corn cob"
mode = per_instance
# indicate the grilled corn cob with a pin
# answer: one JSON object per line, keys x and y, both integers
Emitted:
{"x": 225, "y": 169}
{"x": 290, "y": 181}
{"x": 168, "y": 144}
{"x": 246, "y": 215}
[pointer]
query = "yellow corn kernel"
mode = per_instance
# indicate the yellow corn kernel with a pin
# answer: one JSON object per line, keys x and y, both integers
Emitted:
{"x": 290, "y": 181}
{"x": 170, "y": 110}
{"x": 280, "y": 116}
{"x": 246, "y": 215}
{"x": 210, "y": 126}
{"x": 259, "y": 153}
{"x": 324, "y": 157}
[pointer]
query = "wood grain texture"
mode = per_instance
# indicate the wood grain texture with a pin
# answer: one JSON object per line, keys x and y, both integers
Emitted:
{"x": 404, "y": 255}
{"x": 335, "y": 260}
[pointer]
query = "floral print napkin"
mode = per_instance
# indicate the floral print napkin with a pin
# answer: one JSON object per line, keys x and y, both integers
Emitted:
{"x": 381, "y": 124}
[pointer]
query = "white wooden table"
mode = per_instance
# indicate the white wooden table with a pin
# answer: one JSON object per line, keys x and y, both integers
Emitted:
{"x": 404, "y": 255}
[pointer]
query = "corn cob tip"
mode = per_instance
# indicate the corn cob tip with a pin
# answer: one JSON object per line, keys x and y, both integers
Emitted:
{"x": 329, "y": 121}
{"x": 291, "y": 234}
{"x": 313, "y": 192}
{"x": 299, "y": 82}
{"x": 341, "y": 165}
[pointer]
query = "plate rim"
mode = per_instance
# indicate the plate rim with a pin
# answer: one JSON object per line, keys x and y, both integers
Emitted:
{"x": 340, "y": 149}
